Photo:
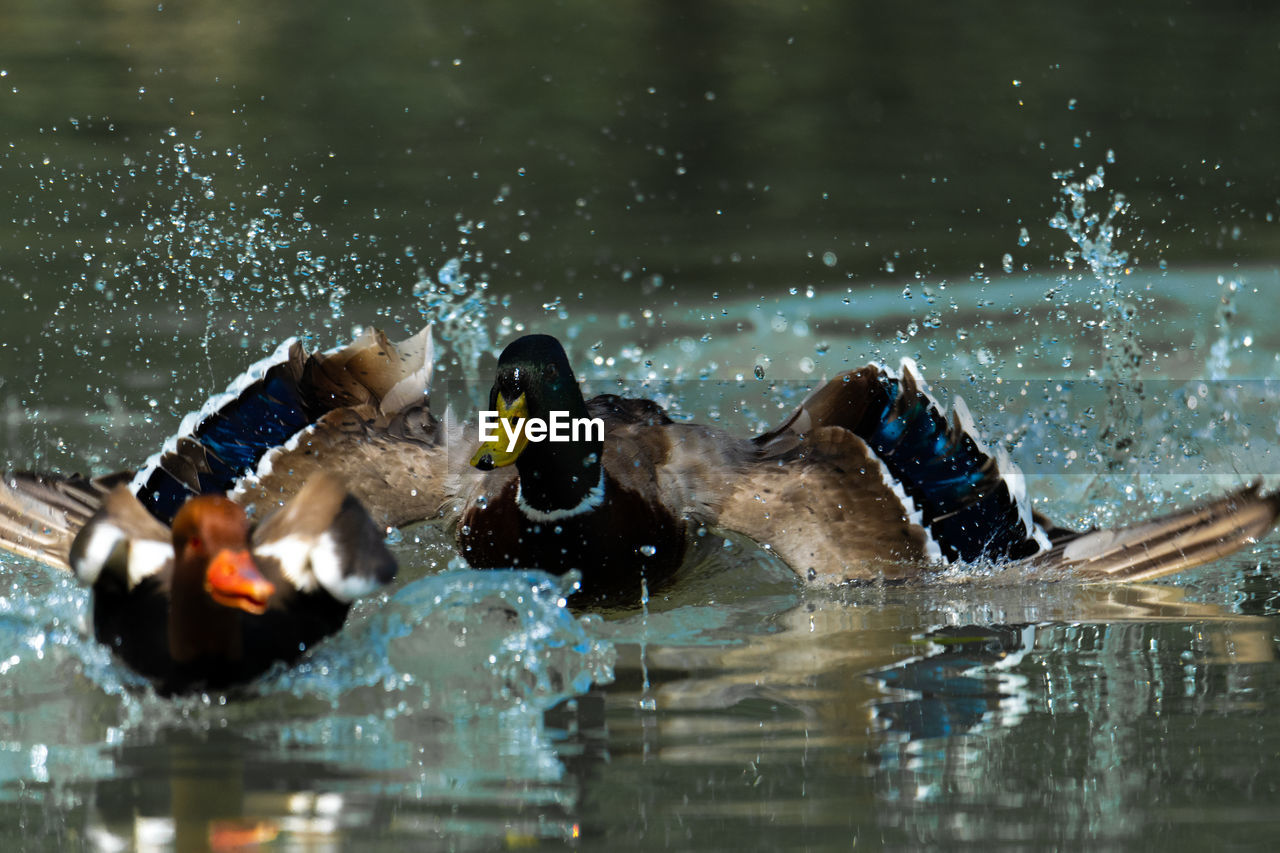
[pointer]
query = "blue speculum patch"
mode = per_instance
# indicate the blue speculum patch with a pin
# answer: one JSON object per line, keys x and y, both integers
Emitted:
{"x": 236, "y": 436}
{"x": 963, "y": 501}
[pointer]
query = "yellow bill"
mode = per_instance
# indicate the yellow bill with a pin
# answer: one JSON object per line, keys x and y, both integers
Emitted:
{"x": 509, "y": 439}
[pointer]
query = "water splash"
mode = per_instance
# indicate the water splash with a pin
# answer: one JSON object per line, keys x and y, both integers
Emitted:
{"x": 1095, "y": 234}
{"x": 459, "y": 306}
{"x": 437, "y": 694}
{"x": 459, "y": 643}
{"x": 193, "y": 262}
{"x": 1218, "y": 364}
{"x": 463, "y": 642}
{"x": 648, "y": 702}
{"x": 196, "y": 264}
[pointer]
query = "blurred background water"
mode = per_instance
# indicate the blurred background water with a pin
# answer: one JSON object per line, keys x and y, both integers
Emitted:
{"x": 1065, "y": 213}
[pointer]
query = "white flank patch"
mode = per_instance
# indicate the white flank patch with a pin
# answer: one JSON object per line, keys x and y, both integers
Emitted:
{"x": 593, "y": 499}
{"x": 914, "y": 516}
{"x": 146, "y": 557}
{"x": 103, "y": 539}
{"x": 311, "y": 564}
{"x": 193, "y": 420}
{"x": 293, "y": 554}
{"x": 328, "y": 565}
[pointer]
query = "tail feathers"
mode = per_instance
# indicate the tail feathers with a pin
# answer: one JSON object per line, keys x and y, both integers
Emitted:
{"x": 275, "y": 400}
{"x": 40, "y": 514}
{"x": 1171, "y": 543}
{"x": 971, "y": 502}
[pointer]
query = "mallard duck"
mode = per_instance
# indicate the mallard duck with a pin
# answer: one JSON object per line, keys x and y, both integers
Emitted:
{"x": 213, "y": 601}
{"x": 867, "y": 479}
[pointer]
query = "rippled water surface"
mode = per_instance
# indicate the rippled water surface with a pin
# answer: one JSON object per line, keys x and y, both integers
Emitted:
{"x": 717, "y": 207}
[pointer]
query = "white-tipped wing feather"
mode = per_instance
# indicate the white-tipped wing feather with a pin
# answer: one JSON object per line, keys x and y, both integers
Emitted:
{"x": 323, "y": 539}
{"x": 123, "y": 539}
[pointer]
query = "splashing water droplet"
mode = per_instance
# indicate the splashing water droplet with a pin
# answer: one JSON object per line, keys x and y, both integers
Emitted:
{"x": 1095, "y": 235}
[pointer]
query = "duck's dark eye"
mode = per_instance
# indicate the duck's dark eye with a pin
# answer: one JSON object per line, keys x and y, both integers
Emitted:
{"x": 194, "y": 542}
{"x": 551, "y": 372}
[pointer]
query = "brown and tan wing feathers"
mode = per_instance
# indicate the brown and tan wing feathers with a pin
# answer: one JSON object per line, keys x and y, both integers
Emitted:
{"x": 41, "y": 513}
{"x": 829, "y": 513}
{"x": 1168, "y": 544}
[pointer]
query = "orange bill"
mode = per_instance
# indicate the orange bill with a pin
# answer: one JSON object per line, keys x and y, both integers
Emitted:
{"x": 233, "y": 580}
{"x": 238, "y": 834}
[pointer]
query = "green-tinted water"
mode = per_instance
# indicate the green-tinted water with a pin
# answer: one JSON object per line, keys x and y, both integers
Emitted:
{"x": 690, "y": 195}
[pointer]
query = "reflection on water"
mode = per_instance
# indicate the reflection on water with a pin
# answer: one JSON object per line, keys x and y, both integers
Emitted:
{"x": 475, "y": 708}
{"x": 1069, "y": 719}
{"x": 432, "y": 698}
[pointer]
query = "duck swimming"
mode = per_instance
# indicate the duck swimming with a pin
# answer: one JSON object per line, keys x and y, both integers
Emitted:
{"x": 867, "y": 479}
{"x": 185, "y": 589}
{"x": 213, "y": 601}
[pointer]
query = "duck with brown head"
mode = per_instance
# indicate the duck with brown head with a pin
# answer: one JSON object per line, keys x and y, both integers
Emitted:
{"x": 213, "y": 602}
{"x": 214, "y": 580}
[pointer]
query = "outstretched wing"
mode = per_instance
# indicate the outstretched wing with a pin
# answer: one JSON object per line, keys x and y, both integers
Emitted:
{"x": 970, "y": 501}
{"x": 257, "y": 439}
{"x": 40, "y": 514}
{"x": 360, "y": 411}
{"x": 832, "y": 512}
{"x": 1168, "y": 544}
